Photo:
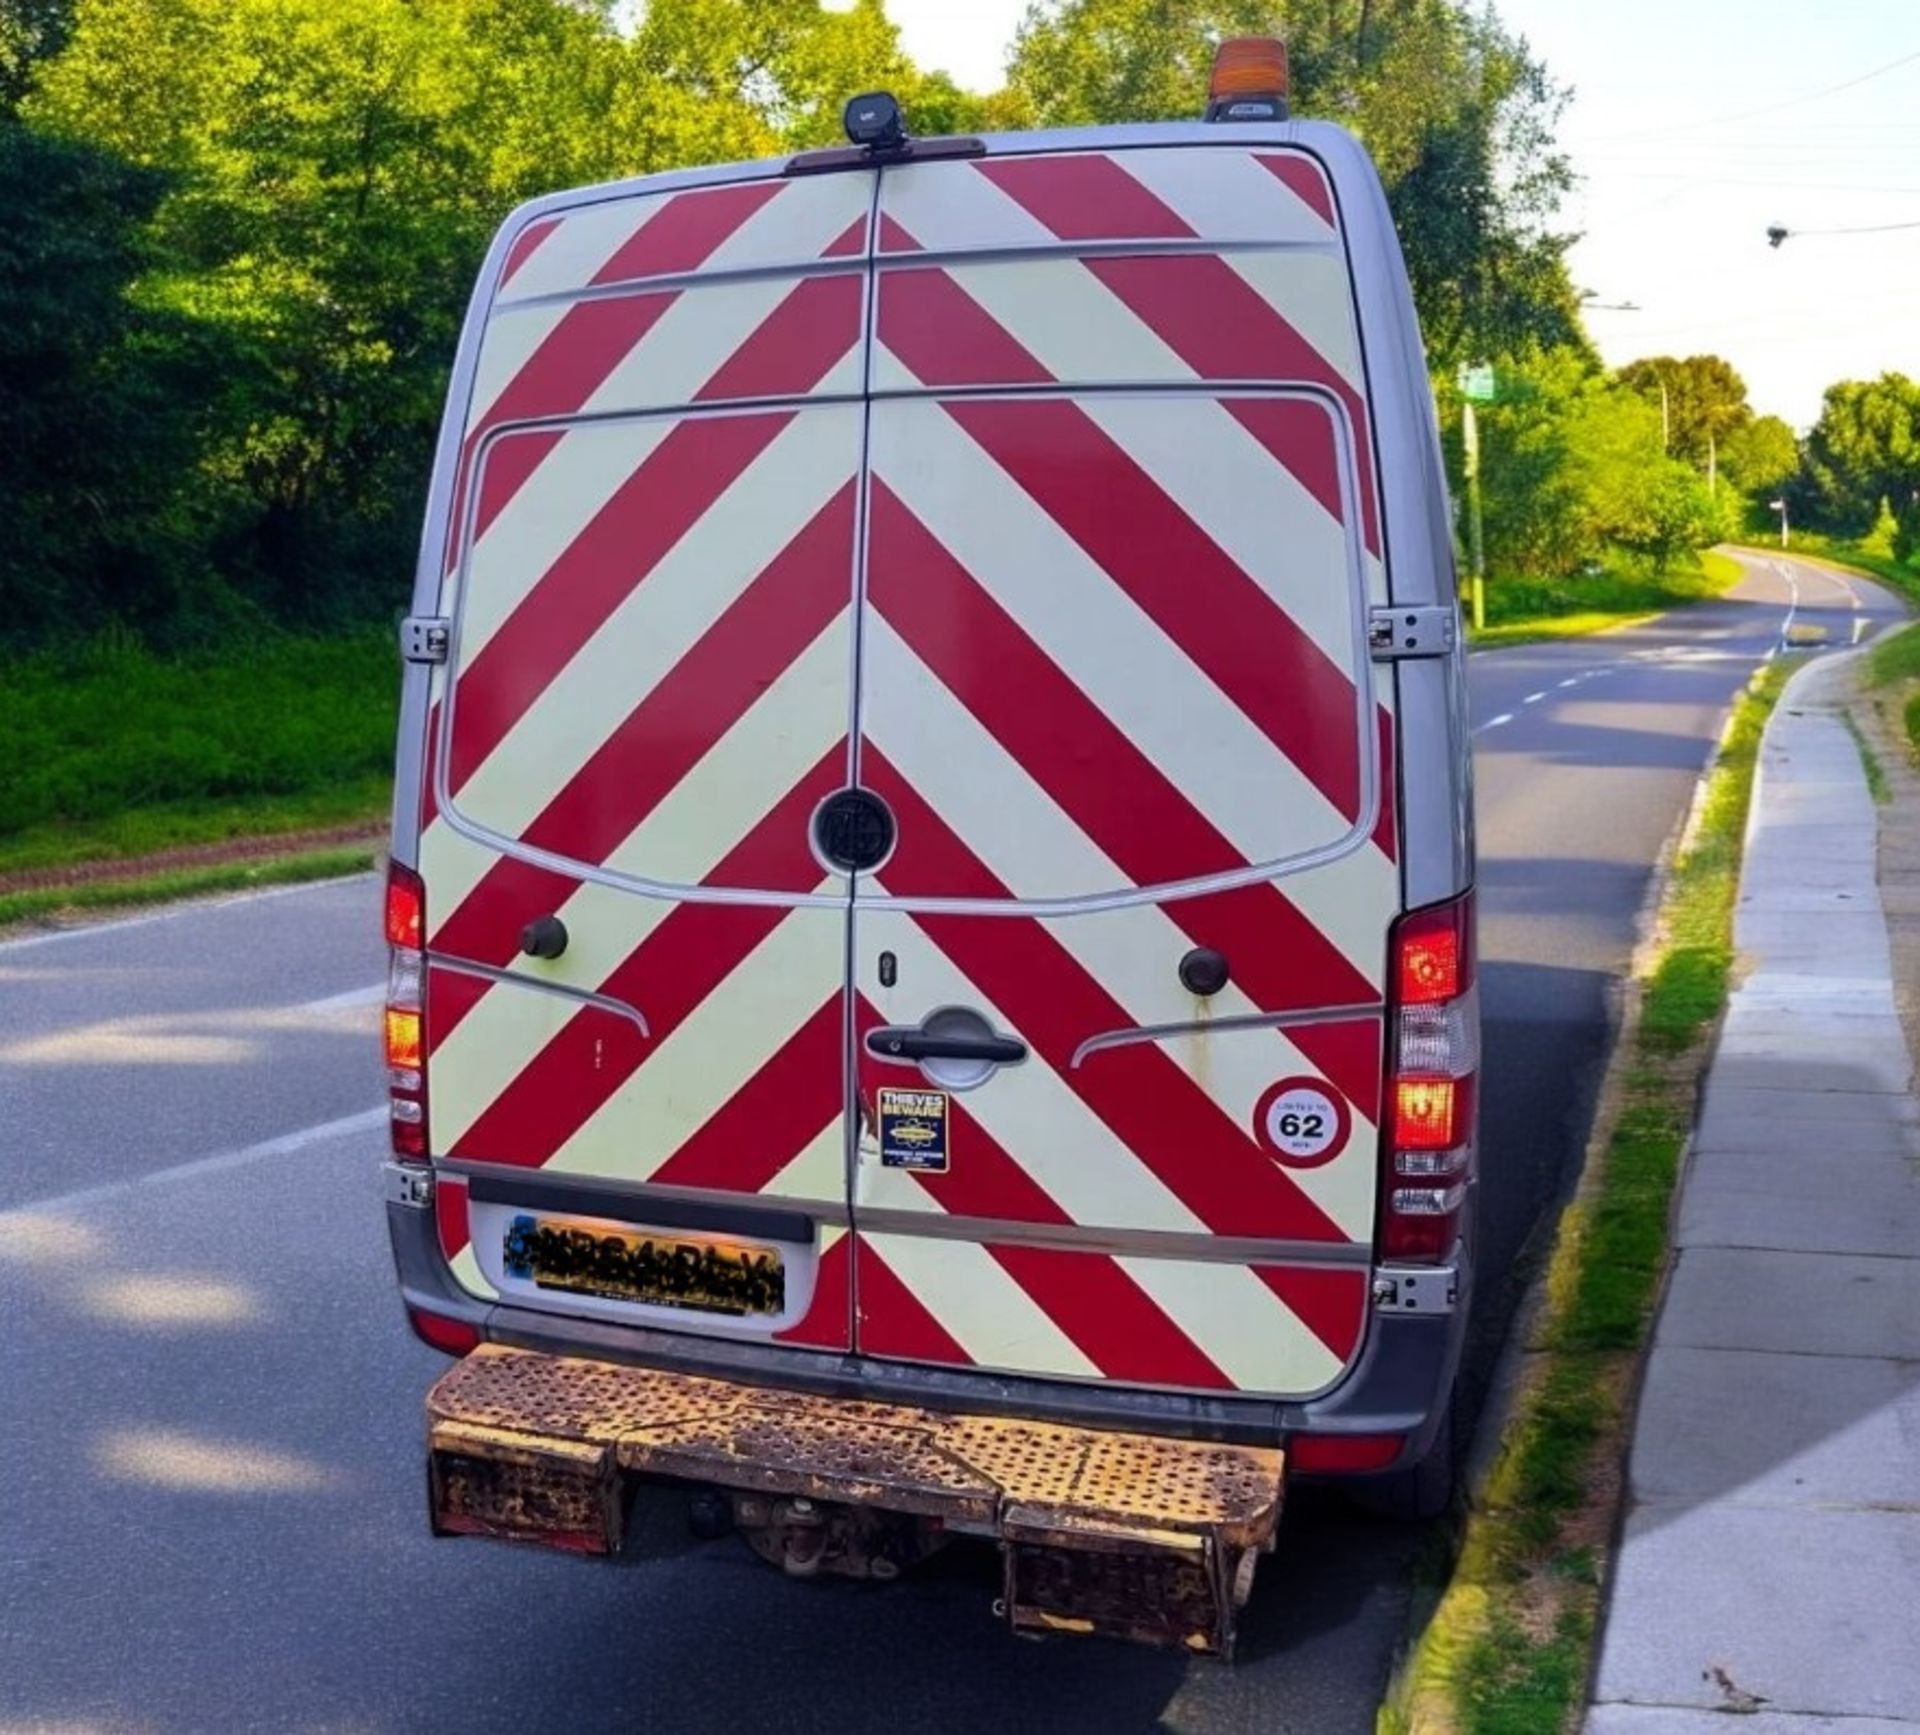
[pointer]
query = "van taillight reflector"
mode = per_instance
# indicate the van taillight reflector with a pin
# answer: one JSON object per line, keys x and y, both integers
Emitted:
{"x": 1414, "y": 1239}
{"x": 406, "y": 908}
{"x": 1343, "y": 1454}
{"x": 405, "y": 1021}
{"x": 1249, "y": 66}
{"x": 449, "y": 1336}
{"x": 1433, "y": 1065}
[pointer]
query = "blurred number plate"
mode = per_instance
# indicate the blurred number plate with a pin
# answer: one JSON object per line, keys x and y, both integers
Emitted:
{"x": 734, "y": 1277}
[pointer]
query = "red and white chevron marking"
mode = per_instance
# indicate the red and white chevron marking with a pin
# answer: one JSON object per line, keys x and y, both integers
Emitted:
{"x": 1109, "y": 644}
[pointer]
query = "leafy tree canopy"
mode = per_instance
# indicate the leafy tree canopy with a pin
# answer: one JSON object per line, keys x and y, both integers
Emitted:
{"x": 30, "y": 30}
{"x": 1864, "y": 449}
{"x": 1454, "y": 110}
{"x": 98, "y": 416}
{"x": 1703, "y": 400}
{"x": 1761, "y": 456}
{"x": 1573, "y": 466}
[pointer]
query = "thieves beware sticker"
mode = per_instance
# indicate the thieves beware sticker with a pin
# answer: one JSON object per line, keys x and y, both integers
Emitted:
{"x": 1303, "y": 1121}
{"x": 913, "y": 1130}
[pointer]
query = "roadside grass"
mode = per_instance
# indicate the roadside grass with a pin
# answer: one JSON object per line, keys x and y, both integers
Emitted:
{"x": 1893, "y": 666}
{"x": 1509, "y": 1646}
{"x": 1877, "y": 785}
{"x": 162, "y": 888}
{"x": 1522, "y": 610}
{"x": 117, "y": 752}
{"x": 1894, "y": 658}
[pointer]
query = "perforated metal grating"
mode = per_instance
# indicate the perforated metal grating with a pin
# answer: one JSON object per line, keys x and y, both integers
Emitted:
{"x": 968, "y": 1469}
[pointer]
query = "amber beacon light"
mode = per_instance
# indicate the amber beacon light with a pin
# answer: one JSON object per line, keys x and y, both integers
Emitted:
{"x": 1249, "y": 79}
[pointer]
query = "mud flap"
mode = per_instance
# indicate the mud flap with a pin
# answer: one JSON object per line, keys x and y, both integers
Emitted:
{"x": 1166, "y": 1588}
{"x": 485, "y": 1481}
{"x": 1129, "y": 1535}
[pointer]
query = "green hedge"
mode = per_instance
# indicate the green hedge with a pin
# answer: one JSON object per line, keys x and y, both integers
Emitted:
{"x": 114, "y": 728}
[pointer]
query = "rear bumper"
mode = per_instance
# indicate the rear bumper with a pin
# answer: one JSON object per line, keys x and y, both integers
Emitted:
{"x": 1400, "y": 1384}
{"x": 1132, "y": 1535}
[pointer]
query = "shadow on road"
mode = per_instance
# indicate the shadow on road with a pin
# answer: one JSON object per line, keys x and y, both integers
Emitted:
{"x": 222, "y": 1502}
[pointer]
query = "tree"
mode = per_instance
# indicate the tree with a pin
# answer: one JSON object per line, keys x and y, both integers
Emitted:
{"x": 1456, "y": 113}
{"x": 1761, "y": 457}
{"x": 1884, "y": 538}
{"x": 1865, "y": 448}
{"x": 1674, "y": 514}
{"x": 1534, "y": 512}
{"x": 333, "y": 175}
{"x": 1704, "y": 401}
{"x": 30, "y": 31}
{"x": 726, "y": 80}
{"x": 98, "y": 413}
{"x": 1573, "y": 468}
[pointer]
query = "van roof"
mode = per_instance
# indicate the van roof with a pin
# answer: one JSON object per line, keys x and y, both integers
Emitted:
{"x": 1334, "y": 145}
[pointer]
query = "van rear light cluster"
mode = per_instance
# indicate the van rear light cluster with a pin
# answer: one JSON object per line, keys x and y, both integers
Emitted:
{"x": 405, "y": 1022}
{"x": 1434, "y": 1063}
{"x": 1343, "y": 1454}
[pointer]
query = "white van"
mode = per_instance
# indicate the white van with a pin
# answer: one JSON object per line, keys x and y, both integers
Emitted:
{"x": 932, "y": 874}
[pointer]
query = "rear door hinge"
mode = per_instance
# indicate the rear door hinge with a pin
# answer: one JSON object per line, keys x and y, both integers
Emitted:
{"x": 424, "y": 638}
{"x": 408, "y": 1184}
{"x": 1396, "y": 633}
{"x": 1417, "y": 1289}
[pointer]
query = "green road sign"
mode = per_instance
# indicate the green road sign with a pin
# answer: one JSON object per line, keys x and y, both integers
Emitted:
{"x": 1476, "y": 384}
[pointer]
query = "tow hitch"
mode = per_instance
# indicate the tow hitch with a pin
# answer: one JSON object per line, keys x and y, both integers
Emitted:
{"x": 1129, "y": 1535}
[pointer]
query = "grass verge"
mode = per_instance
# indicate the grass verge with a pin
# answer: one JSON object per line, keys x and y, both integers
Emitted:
{"x": 1877, "y": 785}
{"x": 1509, "y": 1646}
{"x": 16, "y": 907}
{"x": 115, "y": 752}
{"x": 1893, "y": 665}
{"x": 1524, "y": 610}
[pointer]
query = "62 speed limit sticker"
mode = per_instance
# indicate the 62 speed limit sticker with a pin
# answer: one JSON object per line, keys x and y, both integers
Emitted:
{"x": 1303, "y": 1121}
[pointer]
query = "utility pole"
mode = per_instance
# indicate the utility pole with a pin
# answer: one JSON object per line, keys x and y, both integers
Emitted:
{"x": 1713, "y": 464}
{"x": 1477, "y": 386}
{"x": 1476, "y": 541}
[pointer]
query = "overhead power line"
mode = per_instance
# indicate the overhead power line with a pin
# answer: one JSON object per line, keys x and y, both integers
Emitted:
{"x": 1775, "y": 107}
{"x": 1777, "y": 235}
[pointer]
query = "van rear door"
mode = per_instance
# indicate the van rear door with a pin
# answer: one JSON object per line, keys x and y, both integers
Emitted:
{"x": 1115, "y": 688}
{"x": 650, "y": 586}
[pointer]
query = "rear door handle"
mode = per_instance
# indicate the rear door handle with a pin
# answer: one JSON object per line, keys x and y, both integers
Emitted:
{"x": 910, "y": 1042}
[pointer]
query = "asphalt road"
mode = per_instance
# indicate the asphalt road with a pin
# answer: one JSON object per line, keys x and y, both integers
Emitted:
{"x": 210, "y": 1487}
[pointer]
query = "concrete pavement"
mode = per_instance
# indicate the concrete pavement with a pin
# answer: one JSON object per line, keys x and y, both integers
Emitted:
{"x": 1772, "y": 1541}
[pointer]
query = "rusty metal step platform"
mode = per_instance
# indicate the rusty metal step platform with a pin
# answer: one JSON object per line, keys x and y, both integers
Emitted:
{"x": 1134, "y": 1535}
